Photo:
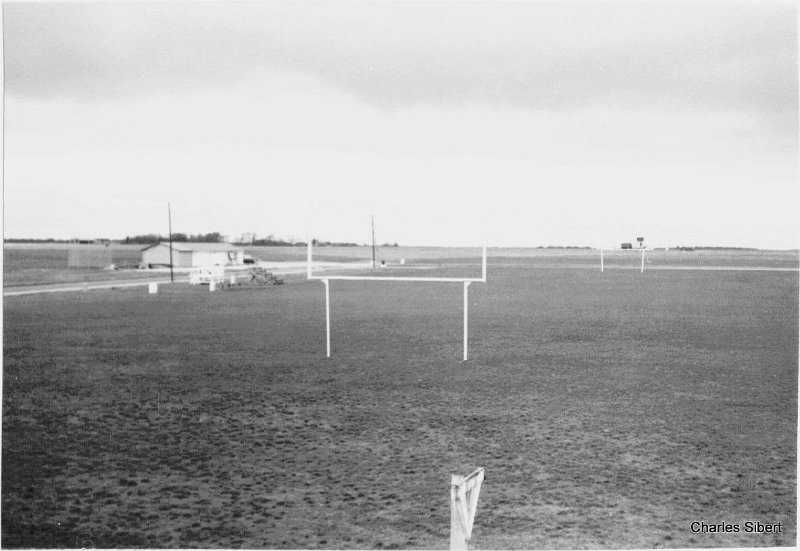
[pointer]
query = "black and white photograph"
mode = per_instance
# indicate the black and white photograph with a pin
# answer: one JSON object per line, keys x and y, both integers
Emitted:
{"x": 400, "y": 274}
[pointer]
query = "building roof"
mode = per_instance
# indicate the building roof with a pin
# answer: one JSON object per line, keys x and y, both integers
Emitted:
{"x": 192, "y": 247}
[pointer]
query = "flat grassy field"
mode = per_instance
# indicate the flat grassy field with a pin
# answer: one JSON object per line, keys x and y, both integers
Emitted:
{"x": 35, "y": 263}
{"x": 30, "y": 264}
{"x": 541, "y": 258}
{"x": 610, "y": 410}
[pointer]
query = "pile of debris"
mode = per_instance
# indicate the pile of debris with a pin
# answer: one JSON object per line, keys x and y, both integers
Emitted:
{"x": 216, "y": 279}
{"x": 260, "y": 276}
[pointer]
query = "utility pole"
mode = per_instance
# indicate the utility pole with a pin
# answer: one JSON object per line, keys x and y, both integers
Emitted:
{"x": 169, "y": 215}
{"x": 373, "y": 241}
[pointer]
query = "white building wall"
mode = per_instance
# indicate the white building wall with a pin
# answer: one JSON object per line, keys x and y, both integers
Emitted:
{"x": 210, "y": 258}
{"x": 156, "y": 255}
{"x": 159, "y": 255}
{"x": 182, "y": 259}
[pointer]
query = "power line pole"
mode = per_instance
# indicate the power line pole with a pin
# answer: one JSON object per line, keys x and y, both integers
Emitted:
{"x": 169, "y": 215}
{"x": 373, "y": 241}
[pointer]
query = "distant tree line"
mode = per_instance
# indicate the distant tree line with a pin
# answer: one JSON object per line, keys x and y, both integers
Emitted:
{"x": 99, "y": 240}
{"x": 319, "y": 243}
{"x": 695, "y": 248}
{"x": 270, "y": 241}
{"x": 150, "y": 238}
{"x": 561, "y": 247}
{"x": 23, "y": 240}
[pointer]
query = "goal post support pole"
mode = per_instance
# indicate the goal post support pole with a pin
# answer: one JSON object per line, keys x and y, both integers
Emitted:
{"x": 466, "y": 319}
{"x": 327, "y": 316}
{"x": 601, "y": 260}
{"x": 642, "y": 270}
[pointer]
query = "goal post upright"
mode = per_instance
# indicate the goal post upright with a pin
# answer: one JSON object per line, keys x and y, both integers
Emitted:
{"x": 327, "y": 317}
{"x": 466, "y": 318}
{"x": 326, "y": 281}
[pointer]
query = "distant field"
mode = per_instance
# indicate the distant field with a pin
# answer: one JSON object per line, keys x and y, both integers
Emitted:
{"x": 609, "y": 410}
{"x": 587, "y": 258}
{"x": 32, "y": 264}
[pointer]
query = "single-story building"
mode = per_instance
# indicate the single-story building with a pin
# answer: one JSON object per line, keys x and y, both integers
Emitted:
{"x": 192, "y": 255}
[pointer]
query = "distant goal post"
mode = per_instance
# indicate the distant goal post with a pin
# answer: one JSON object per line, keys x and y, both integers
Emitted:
{"x": 327, "y": 278}
{"x": 603, "y": 251}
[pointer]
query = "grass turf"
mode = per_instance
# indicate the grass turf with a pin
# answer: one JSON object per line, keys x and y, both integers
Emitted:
{"x": 609, "y": 410}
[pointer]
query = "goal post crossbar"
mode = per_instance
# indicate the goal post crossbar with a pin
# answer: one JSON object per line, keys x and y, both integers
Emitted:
{"x": 311, "y": 275}
{"x": 465, "y": 281}
{"x": 390, "y": 278}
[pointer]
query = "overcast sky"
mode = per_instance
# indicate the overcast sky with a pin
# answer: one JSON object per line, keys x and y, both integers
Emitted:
{"x": 518, "y": 124}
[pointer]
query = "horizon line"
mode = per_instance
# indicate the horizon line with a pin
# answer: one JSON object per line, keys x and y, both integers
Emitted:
{"x": 344, "y": 244}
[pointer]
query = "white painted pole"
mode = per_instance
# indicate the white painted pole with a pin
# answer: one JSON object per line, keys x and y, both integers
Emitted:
{"x": 484, "y": 264}
{"x": 458, "y": 536}
{"x": 327, "y": 317}
{"x": 466, "y": 318}
{"x": 601, "y": 260}
{"x": 642, "y": 260}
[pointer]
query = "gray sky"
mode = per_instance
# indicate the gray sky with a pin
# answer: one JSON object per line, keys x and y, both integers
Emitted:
{"x": 454, "y": 122}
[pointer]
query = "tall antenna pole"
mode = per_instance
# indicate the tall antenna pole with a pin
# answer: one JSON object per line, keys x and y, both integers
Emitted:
{"x": 169, "y": 215}
{"x": 373, "y": 241}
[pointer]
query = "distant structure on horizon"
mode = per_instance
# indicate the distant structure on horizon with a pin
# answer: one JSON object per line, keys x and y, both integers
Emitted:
{"x": 629, "y": 245}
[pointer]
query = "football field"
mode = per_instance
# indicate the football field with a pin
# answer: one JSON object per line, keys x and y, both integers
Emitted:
{"x": 609, "y": 410}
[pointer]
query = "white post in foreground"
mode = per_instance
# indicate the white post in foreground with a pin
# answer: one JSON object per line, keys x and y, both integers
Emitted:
{"x": 601, "y": 260}
{"x": 466, "y": 318}
{"x": 464, "y": 492}
{"x": 642, "y": 271}
{"x": 327, "y": 316}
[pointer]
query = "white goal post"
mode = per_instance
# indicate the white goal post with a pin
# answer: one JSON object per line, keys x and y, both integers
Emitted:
{"x": 626, "y": 251}
{"x": 326, "y": 279}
